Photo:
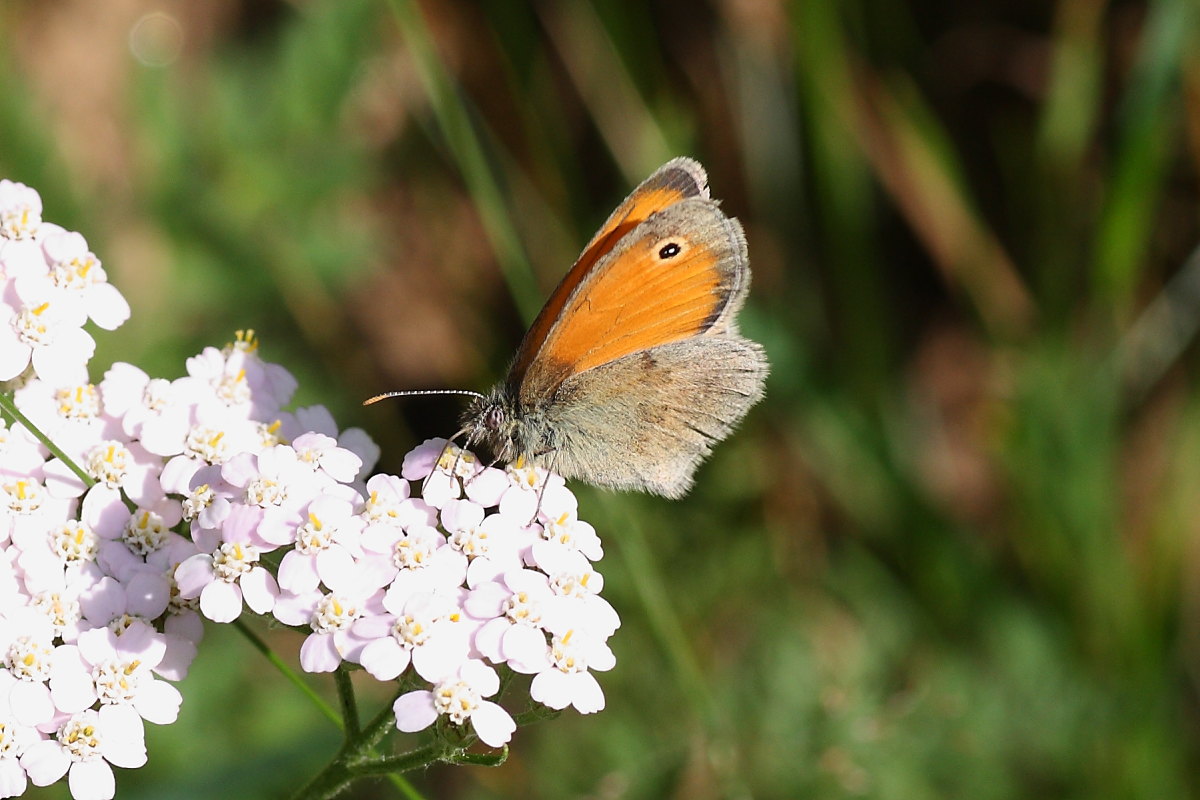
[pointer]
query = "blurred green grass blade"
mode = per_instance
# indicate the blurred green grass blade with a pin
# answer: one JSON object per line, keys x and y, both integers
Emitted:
{"x": 915, "y": 160}
{"x": 629, "y": 128}
{"x": 757, "y": 69}
{"x": 1161, "y": 333}
{"x": 655, "y": 596}
{"x": 844, "y": 196}
{"x": 1063, "y": 211}
{"x": 1068, "y": 115}
{"x": 466, "y": 146}
{"x": 1062, "y": 465}
{"x": 1148, "y": 129}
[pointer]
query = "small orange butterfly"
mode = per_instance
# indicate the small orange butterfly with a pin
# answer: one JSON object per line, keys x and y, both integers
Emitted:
{"x": 634, "y": 368}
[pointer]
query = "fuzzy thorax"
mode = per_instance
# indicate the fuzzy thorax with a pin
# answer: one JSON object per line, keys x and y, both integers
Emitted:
{"x": 496, "y": 422}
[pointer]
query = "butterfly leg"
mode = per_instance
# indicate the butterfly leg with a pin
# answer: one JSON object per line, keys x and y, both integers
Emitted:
{"x": 479, "y": 472}
{"x": 438, "y": 462}
{"x": 547, "y": 457}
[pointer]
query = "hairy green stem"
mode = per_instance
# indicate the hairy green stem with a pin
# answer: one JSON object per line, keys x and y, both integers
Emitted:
{"x": 345, "y": 690}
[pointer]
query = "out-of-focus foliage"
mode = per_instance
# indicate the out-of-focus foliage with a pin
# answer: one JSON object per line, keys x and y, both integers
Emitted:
{"x": 956, "y": 553}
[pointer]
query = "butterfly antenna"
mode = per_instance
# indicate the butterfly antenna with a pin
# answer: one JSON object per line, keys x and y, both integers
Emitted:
{"x": 450, "y": 441}
{"x": 420, "y": 392}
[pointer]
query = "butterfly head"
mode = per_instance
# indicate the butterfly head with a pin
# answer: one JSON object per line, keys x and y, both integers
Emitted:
{"x": 493, "y": 421}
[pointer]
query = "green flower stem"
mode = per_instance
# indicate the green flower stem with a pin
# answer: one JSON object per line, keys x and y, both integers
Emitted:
{"x": 420, "y": 758}
{"x": 358, "y": 745}
{"x": 379, "y": 727}
{"x": 357, "y": 759}
{"x": 345, "y": 690}
{"x": 6, "y": 402}
{"x": 329, "y": 782}
{"x": 483, "y": 759}
{"x": 288, "y": 673}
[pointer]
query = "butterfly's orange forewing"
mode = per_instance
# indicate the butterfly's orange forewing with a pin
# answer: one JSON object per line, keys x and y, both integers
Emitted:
{"x": 676, "y": 180}
{"x": 665, "y": 268}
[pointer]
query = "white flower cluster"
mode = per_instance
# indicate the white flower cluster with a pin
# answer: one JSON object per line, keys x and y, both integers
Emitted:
{"x": 205, "y": 496}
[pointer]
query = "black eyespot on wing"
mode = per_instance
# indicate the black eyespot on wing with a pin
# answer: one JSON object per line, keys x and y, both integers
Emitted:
{"x": 669, "y": 250}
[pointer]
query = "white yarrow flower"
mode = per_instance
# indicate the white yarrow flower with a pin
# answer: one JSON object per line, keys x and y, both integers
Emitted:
{"x": 459, "y": 697}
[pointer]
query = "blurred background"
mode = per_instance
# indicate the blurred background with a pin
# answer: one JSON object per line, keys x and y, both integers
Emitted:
{"x": 954, "y": 554}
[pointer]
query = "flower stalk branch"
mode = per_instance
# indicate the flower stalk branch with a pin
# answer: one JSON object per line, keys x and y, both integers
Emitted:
{"x": 345, "y": 691}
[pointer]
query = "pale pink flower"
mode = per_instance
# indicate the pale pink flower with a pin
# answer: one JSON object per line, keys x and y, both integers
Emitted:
{"x": 321, "y": 452}
{"x": 71, "y": 416}
{"x": 241, "y": 381}
{"x": 568, "y": 531}
{"x": 441, "y": 466}
{"x": 15, "y": 739}
{"x": 115, "y": 670}
{"x": 516, "y": 612}
{"x": 20, "y": 210}
{"x": 75, "y": 269}
{"x": 317, "y": 419}
{"x": 153, "y": 411}
{"x": 494, "y": 543}
{"x": 353, "y": 594}
{"x": 215, "y": 433}
{"x": 563, "y": 679}
{"x": 274, "y": 485}
{"x": 84, "y": 746}
{"x": 58, "y": 556}
{"x": 528, "y": 488}
{"x": 59, "y": 607}
{"x": 326, "y": 545}
{"x": 27, "y": 509}
{"x": 21, "y": 455}
{"x": 423, "y": 559}
{"x": 429, "y": 630}
{"x": 388, "y": 503}
{"x": 224, "y": 579}
{"x": 115, "y": 466}
{"x": 384, "y": 501}
{"x": 460, "y": 698}
{"x": 42, "y": 327}
{"x": 26, "y": 651}
{"x": 576, "y": 586}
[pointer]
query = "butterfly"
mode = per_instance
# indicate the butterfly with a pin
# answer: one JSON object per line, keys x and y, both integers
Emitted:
{"x": 635, "y": 368}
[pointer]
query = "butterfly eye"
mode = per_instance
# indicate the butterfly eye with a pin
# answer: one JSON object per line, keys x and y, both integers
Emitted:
{"x": 669, "y": 250}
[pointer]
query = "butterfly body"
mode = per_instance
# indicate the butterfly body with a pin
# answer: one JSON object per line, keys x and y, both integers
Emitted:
{"x": 635, "y": 368}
